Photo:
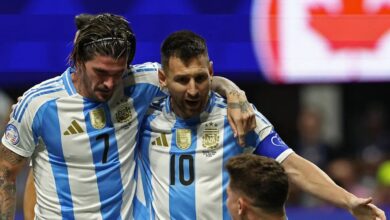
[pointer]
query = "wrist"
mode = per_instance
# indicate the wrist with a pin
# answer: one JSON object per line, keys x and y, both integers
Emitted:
{"x": 350, "y": 202}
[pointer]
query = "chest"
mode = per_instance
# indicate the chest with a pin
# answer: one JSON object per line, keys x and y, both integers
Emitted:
{"x": 72, "y": 130}
{"x": 206, "y": 141}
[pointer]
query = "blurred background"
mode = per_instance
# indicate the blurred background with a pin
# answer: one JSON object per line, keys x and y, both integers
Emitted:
{"x": 319, "y": 70}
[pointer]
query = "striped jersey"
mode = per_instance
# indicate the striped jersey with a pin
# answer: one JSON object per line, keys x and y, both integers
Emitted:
{"x": 181, "y": 162}
{"x": 82, "y": 151}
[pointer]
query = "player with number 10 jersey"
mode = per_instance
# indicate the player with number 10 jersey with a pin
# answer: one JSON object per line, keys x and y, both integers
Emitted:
{"x": 181, "y": 162}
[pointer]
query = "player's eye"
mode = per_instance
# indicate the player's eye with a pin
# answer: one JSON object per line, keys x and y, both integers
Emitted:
{"x": 182, "y": 80}
{"x": 200, "y": 78}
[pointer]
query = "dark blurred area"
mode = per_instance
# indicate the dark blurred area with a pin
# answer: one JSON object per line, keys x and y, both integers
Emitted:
{"x": 359, "y": 160}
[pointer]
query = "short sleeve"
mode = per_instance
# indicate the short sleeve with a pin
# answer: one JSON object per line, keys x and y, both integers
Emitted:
{"x": 19, "y": 135}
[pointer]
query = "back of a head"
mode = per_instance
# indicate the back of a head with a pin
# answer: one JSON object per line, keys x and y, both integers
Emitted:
{"x": 104, "y": 34}
{"x": 82, "y": 20}
{"x": 184, "y": 45}
{"x": 260, "y": 179}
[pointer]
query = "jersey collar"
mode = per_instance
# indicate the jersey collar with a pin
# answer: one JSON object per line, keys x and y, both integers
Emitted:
{"x": 67, "y": 78}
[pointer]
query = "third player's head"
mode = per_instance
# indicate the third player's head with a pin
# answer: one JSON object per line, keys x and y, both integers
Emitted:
{"x": 102, "y": 52}
{"x": 258, "y": 187}
{"x": 186, "y": 72}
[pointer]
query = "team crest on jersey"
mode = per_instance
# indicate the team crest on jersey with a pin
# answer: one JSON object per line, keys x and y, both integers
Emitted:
{"x": 210, "y": 138}
{"x": 123, "y": 115}
{"x": 183, "y": 138}
{"x": 98, "y": 118}
{"x": 12, "y": 134}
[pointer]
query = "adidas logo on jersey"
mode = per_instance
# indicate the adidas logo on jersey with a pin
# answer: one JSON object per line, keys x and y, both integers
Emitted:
{"x": 74, "y": 128}
{"x": 160, "y": 141}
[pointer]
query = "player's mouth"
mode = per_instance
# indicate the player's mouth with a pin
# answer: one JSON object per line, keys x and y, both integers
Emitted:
{"x": 192, "y": 103}
{"x": 105, "y": 92}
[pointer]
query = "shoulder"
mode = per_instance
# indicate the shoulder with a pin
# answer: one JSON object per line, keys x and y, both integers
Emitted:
{"x": 157, "y": 119}
{"x": 142, "y": 73}
{"x": 156, "y": 107}
{"x": 148, "y": 67}
{"x": 38, "y": 95}
{"x": 217, "y": 106}
{"x": 219, "y": 101}
{"x": 158, "y": 104}
{"x": 144, "y": 68}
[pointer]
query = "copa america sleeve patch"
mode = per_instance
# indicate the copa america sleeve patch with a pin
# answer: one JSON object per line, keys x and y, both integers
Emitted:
{"x": 12, "y": 134}
{"x": 272, "y": 146}
{"x": 277, "y": 141}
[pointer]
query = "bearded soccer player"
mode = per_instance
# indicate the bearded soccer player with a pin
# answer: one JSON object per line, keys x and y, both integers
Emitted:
{"x": 186, "y": 141}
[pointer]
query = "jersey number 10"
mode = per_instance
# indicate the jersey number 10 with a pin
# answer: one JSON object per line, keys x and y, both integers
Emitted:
{"x": 191, "y": 174}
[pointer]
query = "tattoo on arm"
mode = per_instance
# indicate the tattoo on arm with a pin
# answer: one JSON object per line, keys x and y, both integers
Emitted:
{"x": 10, "y": 162}
{"x": 7, "y": 195}
{"x": 244, "y": 106}
{"x": 234, "y": 105}
{"x": 240, "y": 105}
{"x": 234, "y": 93}
{"x": 10, "y": 157}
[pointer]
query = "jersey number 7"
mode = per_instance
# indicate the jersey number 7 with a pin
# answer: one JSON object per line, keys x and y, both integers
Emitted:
{"x": 104, "y": 136}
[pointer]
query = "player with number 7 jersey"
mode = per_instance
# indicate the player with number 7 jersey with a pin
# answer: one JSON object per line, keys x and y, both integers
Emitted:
{"x": 84, "y": 148}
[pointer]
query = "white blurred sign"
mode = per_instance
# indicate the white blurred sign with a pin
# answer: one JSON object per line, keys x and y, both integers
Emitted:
{"x": 322, "y": 40}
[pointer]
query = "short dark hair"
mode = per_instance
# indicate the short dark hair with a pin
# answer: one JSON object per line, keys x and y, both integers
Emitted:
{"x": 184, "y": 45}
{"x": 104, "y": 34}
{"x": 261, "y": 179}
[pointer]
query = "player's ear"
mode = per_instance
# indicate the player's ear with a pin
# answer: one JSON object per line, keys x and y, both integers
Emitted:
{"x": 79, "y": 66}
{"x": 162, "y": 78}
{"x": 241, "y": 206}
{"x": 211, "y": 70}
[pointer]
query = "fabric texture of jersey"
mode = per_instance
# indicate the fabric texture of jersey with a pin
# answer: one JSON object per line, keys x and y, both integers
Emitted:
{"x": 82, "y": 151}
{"x": 181, "y": 162}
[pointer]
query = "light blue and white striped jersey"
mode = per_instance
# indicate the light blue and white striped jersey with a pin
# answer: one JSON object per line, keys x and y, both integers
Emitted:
{"x": 82, "y": 151}
{"x": 181, "y": 162}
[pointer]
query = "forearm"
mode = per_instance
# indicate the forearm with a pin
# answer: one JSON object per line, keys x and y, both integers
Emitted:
{"x": 7, "y": 195}
{"x": 240, "y": 113}
{"x": 10, "y": 165}
{"x": 313, "y": 180}
{"x": 224, "y": 86}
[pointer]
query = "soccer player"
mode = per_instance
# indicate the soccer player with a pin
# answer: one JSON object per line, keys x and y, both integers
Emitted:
{"x": 258, "y": 188}
{"x": 186, "y": 142}
{"x": 80, "y": 128}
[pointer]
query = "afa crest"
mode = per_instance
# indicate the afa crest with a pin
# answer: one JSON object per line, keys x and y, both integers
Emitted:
{"x": 123, "y": 115}
{"x": 210, "y": 136}
{"x": 98, "y": 118}
{"x": 183, "y": 138}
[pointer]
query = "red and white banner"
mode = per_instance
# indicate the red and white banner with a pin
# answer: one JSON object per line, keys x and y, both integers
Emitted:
{"x": 322, "y": 40}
